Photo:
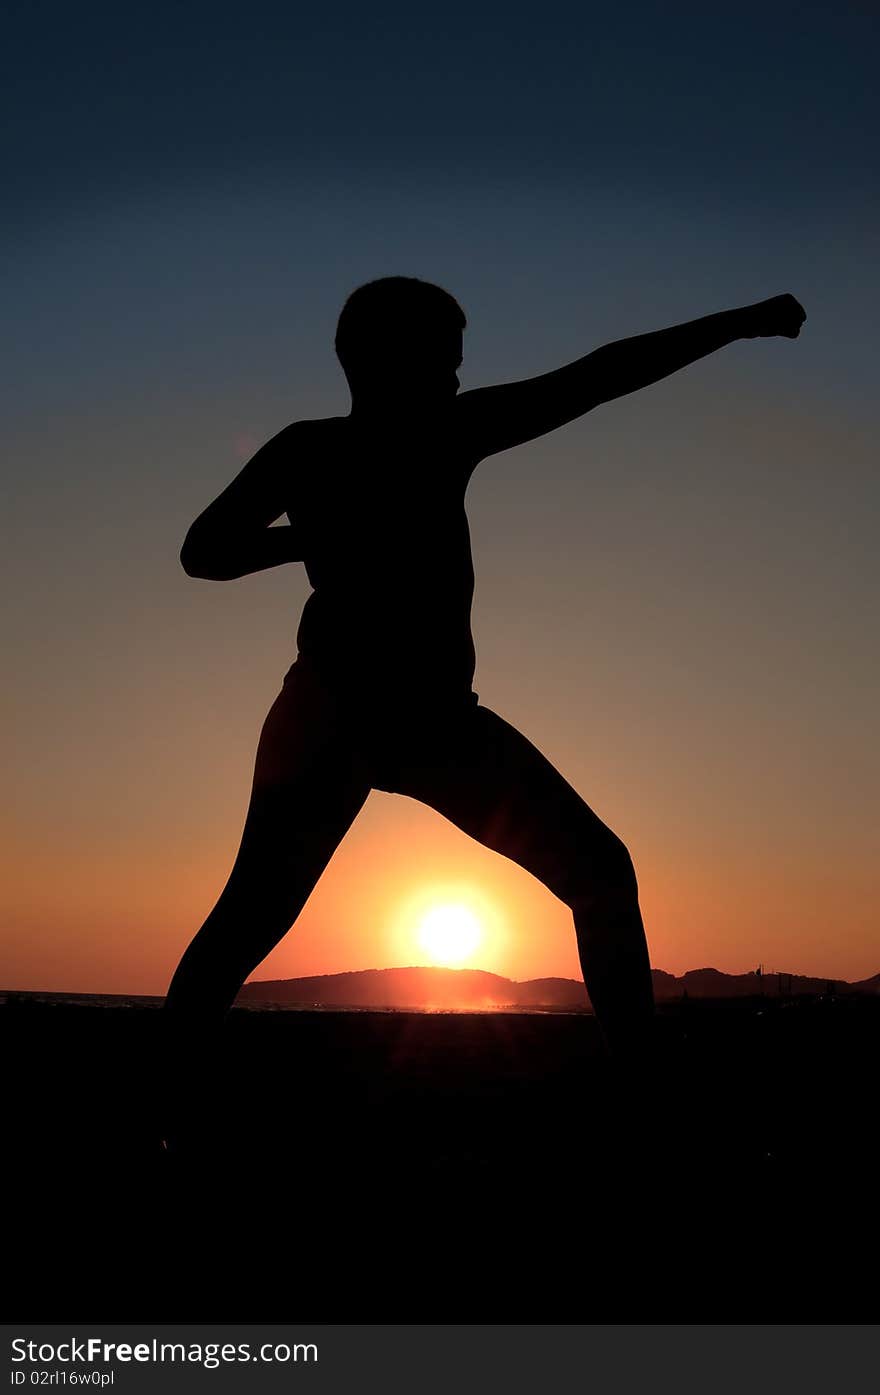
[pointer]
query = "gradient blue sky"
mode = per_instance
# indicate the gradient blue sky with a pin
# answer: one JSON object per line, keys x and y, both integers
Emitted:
{"x": 676, "y": 596}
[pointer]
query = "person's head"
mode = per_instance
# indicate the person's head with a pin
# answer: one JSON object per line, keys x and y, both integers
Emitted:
{"x": 400, "y": 334}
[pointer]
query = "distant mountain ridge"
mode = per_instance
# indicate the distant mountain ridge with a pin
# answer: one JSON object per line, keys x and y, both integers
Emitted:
{"x": 424, "y": 986}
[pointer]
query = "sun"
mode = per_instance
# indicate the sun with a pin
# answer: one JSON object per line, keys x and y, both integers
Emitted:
{"x": 448, "y": 923}
{"x": 449, "y": 933}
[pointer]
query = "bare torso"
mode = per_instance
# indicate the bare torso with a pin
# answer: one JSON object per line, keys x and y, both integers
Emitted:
{"x": 385, "y": 541}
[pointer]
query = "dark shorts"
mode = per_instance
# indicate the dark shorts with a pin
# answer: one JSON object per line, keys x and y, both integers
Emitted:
{"x": 380, "y": 722}
{"x": 325, "y": 745}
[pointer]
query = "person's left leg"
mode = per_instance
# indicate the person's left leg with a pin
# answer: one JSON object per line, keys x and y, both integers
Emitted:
{"x": 488, "y": 779}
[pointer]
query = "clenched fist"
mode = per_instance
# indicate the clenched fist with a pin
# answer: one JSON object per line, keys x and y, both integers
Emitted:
{"x": 781, "y": 314}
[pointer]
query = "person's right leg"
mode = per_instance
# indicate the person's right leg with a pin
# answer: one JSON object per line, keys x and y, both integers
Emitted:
{"x": 307, "y": 789}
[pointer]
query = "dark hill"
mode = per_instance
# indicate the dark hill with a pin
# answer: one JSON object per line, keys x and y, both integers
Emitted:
{"x": 422, "y": 986}
{"x": 417, "y": 986}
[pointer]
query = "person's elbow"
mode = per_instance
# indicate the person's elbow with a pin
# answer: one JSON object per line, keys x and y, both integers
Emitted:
{"x": 204, "y": 561}
{"x": 189, "y": 559}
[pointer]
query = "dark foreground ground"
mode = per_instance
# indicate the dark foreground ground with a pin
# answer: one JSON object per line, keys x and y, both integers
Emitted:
{"x": 380, "y": 1167}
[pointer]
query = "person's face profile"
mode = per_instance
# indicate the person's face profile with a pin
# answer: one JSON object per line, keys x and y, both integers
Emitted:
{"x": 428, "y": 365}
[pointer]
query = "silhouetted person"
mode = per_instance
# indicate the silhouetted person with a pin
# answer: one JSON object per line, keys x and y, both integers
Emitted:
{"x": 380, "y": 695}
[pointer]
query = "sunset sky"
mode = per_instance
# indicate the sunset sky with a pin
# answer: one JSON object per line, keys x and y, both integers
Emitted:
{"x": 676, "y": 594}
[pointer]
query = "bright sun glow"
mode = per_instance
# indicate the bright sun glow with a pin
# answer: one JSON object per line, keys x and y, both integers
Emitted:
{"x": 449, "y": 934}
{"x": 451, "y": 923}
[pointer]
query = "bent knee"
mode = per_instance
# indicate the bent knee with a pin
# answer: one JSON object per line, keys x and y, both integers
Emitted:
{"x": 614, "y": 864}
{"x": 604, "y": 872}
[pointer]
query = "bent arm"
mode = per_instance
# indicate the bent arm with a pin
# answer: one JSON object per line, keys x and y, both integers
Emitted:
{"x": 232, "y": 557}
{"x": 233, "y": 536}
{"x": 510, "y": 413}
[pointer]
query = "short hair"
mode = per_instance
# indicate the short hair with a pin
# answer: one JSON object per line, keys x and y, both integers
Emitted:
{"x": 378, "y": 312}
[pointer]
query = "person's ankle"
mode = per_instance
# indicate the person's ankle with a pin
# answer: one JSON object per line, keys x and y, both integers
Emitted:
{"x": 631, "y": 1044}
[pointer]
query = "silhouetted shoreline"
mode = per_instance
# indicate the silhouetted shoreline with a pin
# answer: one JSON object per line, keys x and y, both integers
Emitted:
{"x": 432, "y": 989}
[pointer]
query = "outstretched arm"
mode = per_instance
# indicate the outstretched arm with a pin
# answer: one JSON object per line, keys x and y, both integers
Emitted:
{"x": 232, "y": 537}
{"x": 508, "y": 414}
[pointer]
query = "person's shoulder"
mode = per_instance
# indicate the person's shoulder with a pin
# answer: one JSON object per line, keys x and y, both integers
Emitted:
{"x": 309, "y": 432}
{"x": 308, "y": 450}
{"x": 302, "y": 426}
{"x": 301, "y": 436}
{"x": 315, "y": 424}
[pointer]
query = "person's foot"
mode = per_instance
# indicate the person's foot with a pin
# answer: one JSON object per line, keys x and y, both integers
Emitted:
{"x": 188, "y": 1100}
{"x": 647, "y": 1107}
{"x": 183, "y": 1146}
